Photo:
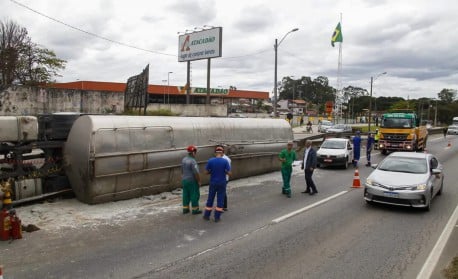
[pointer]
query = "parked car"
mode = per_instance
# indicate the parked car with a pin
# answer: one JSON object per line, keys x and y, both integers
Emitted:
{"x": 339, "y": 128}
{"x": 335, "y": 152}
{"x": 324, "y": 125}
{"x": 452, "y": 130}
{"x": 405, "y": 179}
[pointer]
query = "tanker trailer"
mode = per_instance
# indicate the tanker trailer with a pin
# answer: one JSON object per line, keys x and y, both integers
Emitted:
{"x": 31, "y": 155}
{"x": 109, "y": 158}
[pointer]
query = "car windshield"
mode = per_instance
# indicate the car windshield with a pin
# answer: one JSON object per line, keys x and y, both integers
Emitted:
{"x": 332, "y": 144}
{"x": 401, "y": 164}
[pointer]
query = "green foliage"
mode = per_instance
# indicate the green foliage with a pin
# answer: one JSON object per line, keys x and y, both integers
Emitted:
{"x": 315, "y": 91}
{"x": 23, "y": 61}
{"x": 447, "y": 95}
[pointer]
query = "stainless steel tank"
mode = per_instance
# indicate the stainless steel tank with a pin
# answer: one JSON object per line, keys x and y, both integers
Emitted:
{"x": 110, "y": 158}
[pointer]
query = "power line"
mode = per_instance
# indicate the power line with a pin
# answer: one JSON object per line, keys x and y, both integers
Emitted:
{"x": 90, "y": 33}
{"x": 117, "y": 42}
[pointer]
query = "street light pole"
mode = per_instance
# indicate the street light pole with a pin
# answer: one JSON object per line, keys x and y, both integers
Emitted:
{"x": 435, "y": 115}
{"x": 168, "y": 87}
{"x": 370, "y": 101}
{"x": 164, "y": 81}
{"x": 277, "y": 44}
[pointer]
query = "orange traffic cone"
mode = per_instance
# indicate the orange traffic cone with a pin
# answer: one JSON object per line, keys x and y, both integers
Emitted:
{"x": 356, "y": 181}
{"x": 449, "y": 144}
{"x": 1, "y": 271}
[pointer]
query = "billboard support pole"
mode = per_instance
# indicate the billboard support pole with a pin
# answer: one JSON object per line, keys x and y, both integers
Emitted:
{"x": 208, "y": 81}
{"x": 188, "y": 83}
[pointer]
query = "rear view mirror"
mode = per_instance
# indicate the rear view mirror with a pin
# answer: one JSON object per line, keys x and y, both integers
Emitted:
{"x": 374, "y": 166}
{"x": 436, "y": 171}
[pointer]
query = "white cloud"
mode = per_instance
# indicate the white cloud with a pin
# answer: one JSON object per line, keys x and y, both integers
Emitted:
{"x": 412, "y": 41}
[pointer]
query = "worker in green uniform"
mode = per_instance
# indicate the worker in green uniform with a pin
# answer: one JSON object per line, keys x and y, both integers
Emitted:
{"x": 190, "y": 181}
{"x": 287, "y": 156}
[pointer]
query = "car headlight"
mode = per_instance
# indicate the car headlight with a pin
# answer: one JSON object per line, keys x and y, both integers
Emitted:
{"x": 420, "y": 187}
{"x": 340, "y": 155}
{"x": 369, "y": 182}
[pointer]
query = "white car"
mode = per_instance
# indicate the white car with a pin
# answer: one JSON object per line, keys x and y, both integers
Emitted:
{"x": 405, "y": 179}
{"x": 324, "y": 125}
{"x": 335, "y": 151}
{"x": 339, "y": 128}
{"x": 452, "y": 130}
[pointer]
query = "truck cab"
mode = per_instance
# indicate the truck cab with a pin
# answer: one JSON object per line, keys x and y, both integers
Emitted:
{"x": 401, "y": 131}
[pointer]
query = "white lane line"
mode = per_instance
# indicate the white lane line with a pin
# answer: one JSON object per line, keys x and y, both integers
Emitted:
{"x": 434, "y": 255}
{"x": 289, "y": 215}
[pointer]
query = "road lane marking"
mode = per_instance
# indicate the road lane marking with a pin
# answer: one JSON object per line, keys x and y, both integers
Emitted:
{"x": 434, "y": 255}
{"x": 289, "y": 215}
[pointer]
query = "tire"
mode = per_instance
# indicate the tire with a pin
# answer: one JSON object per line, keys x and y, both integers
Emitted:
{"x": 428, "y": 206}
{"x": 383, "y": 151}
{"x": 346, "y": 163}
{"x": 442, "y": 187}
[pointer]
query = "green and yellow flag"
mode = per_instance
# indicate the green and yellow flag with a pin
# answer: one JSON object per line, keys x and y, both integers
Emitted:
{"x": 337, "y": 35}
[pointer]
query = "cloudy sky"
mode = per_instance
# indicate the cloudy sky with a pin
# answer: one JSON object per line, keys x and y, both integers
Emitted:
{"x": 415, "y": 42}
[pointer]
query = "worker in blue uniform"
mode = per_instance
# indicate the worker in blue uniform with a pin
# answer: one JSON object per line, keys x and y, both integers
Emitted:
{"x": 356, "y": 148}
{"x": 218, "y": 168}
{"x": 369, "y": 145}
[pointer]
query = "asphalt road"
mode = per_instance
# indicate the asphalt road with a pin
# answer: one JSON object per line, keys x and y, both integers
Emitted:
{"x": 339, "y": 238}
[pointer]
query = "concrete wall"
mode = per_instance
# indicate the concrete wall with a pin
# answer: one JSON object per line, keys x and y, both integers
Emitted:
{"x": 22, "y": 100}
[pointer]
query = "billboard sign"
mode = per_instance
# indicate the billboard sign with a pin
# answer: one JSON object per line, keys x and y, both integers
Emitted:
{"x": 200, "y": 45}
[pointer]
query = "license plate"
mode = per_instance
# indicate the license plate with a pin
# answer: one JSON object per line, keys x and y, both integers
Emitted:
{"x": 394, "y": 145}
{"x": 328, "y": 160}
{"x": 391, "y": 194}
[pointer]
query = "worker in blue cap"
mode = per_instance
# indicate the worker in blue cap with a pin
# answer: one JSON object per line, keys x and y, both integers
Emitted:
{"x": 356, "y": 148}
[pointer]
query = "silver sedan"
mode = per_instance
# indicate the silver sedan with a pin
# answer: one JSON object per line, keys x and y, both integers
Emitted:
{"x": 405, "y": 179}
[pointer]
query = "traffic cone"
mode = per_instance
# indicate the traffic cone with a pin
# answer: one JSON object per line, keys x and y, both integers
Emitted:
{"x": 449, "y": 144}
{"x": 1, "y": 271}
{"x": 356, "y": 181}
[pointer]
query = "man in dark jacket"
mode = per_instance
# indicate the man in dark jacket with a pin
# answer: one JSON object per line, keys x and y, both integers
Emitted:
{"x": 309, "y": 165}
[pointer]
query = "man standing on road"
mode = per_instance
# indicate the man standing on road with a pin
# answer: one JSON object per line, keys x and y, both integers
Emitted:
{"x": 190, "y": 181}
{"x": 369, "y": 145}
{"x": 287, "y": 156}
{"x": 357, "y": 148}
{"x": 227, "y": 177}
{"x": 217, "y": 167}
{"x": 309, "y": 165}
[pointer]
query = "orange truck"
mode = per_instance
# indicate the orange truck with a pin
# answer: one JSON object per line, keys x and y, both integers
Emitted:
{"x": 401, "y": 131}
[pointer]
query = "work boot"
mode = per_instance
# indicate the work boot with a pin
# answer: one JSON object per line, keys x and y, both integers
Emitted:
{"x": 186, "y": 211}
{"x": 195, "y": 212}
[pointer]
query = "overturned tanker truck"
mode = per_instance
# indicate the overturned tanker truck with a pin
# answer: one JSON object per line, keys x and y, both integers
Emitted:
{"x": 108, "y": 158}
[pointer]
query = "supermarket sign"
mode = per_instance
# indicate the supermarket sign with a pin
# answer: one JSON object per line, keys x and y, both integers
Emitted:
{"x": 203, "y": 90}
{"x": 200, "y": 45}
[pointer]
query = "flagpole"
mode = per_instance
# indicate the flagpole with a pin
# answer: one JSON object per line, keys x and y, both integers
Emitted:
{"x": 338, "y": 101}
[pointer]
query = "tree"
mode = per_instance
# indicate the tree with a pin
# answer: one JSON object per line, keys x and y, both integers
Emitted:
{"x": 447, "y": 95}
{"x": 23, "y": 61}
